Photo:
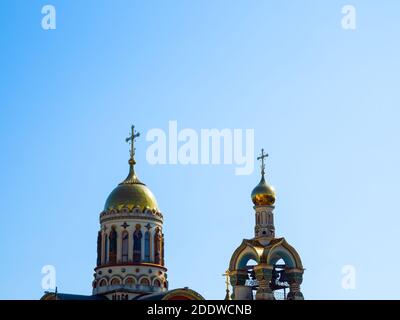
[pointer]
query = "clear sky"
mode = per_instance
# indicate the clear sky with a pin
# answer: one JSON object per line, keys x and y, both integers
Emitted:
{"x": 323, "y": 102}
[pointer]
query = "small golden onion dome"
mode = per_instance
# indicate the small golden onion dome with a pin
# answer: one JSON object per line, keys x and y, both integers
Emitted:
{"x": 263, "y": 194}
{"x": 131, "y": 193}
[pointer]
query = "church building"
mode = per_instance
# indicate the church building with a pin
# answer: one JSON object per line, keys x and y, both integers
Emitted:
{"x": 130, "y": 246}
{"x": 265, "y": 267}
{"x": 130, "y": 250}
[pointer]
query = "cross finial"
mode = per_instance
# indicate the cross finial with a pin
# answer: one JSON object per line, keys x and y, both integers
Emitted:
{"x": 226, "y": 274}
{"x": 131, "y": 140}
{"x": 262, "y": 157}
{"x": 132, "y": 178}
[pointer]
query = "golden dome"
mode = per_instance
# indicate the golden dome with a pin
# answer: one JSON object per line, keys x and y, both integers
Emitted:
{"x": 130, "y": 196}
{"x": 263, "y": 194}
{"x": 131, "y": 193}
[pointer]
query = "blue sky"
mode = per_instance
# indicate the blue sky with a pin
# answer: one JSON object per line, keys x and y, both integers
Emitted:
{"x": 323, "y": 101}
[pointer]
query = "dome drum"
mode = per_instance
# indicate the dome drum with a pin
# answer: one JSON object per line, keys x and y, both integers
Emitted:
{"x": 132, "y": 213}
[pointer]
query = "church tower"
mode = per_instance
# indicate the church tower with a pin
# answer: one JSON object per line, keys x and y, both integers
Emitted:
{"x": 130, "y": 242}
{"x": 265, "y": 267}
{"x": 130, "y": 247}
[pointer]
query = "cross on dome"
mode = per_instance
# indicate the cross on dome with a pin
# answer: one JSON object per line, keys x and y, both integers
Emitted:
{"x": 262, "y": 157}
{"x": 131, "y": 140}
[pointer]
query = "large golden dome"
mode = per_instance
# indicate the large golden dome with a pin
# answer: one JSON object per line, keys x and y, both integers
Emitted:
{"x": 130, "y": 196}
{"x": 131, "y": 193}
{"x": 263, "y": 194}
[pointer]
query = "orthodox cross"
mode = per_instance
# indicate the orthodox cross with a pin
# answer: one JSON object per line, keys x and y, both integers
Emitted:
{"x": 125, "y": 225}
{"x": 131, "y": 140}
{"x": 262, "y": 157}
{"x": 226, "y": 274}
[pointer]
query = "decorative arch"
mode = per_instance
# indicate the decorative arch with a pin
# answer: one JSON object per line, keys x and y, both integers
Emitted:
{"x": 116, "y": 280}
{"x": 124, "y": 209}
{"x": 103, "y": 282}
{"x": 130, "y": 280}
{"x": 281, "y": 253}
{"x": 182, "y": 294}
{"x": 244, "y": 258}
{"x": 282, "y": 250}
{"x": 144, "y": 281}
{"x": 157, "y": 283}
{"x": 245, "y": 252}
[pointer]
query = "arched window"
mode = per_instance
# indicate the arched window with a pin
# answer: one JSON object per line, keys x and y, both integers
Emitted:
{"x": 145, "y": 282}
{"x": 99, "y": 248}
{"x": 115, "y": 282}
{"x": 113, "y": 246}
{"x": 125, "y": 240}
{"x": 137, "y": 244}
{"x": 102, "y": 283}
{"x": 157, "y": 283}
{"x": 147, "y": 246}
{"x": 106, "y": 248}
{"x": 130, "y": 281}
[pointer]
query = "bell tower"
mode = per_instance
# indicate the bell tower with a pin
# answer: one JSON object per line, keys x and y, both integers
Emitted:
{"x": 265, "y": 267}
